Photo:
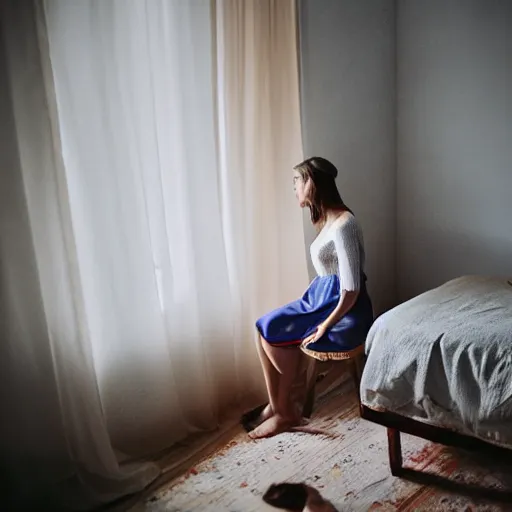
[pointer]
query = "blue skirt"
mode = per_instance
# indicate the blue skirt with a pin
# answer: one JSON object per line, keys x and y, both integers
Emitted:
{"x": 290, "y": 324}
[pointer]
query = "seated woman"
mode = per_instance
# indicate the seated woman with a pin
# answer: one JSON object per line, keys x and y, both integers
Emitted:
{"x": 335, "y": 313}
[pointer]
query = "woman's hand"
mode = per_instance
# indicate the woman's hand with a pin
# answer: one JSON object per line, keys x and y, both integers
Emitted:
{"x": 320, "y": 331}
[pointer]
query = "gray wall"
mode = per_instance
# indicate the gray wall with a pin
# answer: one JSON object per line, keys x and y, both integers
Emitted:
{"x": 348, "y": 116}
{"x": 454, "y": 140}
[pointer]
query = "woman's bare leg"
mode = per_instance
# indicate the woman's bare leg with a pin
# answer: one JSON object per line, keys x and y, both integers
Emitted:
{"x": 287, "y": 362}
{"x": 289, "y": 368}
{"x": 271, "y": 380}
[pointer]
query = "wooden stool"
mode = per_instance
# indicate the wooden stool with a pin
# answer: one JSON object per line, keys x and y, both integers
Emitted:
{"x": 355, "y": 358}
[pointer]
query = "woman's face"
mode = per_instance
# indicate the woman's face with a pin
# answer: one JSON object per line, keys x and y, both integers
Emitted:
{"x": 300, "y": 188}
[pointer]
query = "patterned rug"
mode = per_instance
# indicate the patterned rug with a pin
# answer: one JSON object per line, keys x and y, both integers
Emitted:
{"x": 351, "y": 470}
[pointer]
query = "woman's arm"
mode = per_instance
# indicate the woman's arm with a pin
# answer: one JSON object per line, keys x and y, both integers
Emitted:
{"x": 345, "y": 304}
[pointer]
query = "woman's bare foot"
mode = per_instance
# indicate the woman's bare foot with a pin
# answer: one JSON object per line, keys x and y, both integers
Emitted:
{"x": 250, "y": 420}
{"x": 276, "y": 424}
{"x": 266, "y": 414}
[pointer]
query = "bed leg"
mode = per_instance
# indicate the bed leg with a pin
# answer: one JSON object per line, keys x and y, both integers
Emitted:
{"x": 395, "y": 451}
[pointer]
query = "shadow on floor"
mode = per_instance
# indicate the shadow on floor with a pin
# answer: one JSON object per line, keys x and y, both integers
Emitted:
{"x": 476, "y": 492}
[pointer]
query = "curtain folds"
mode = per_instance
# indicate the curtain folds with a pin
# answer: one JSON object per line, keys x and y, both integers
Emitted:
{"x": 147, "y": 219}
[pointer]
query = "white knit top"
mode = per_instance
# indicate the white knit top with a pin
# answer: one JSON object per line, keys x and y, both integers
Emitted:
{"x": 339, "y": 249}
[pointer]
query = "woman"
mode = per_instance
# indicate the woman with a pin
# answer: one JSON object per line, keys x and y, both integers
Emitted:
{"x": 335, "y": 313}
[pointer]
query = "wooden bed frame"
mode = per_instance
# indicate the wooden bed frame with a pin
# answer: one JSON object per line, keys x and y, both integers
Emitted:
{"x": 397, "y": 424}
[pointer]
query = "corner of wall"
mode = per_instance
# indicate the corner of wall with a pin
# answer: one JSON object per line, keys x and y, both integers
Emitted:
{"x": 396, "y": 161}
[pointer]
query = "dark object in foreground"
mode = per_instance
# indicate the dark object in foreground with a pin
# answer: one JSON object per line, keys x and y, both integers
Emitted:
{"x": 296, "y": 498}
{"x": 287, "y": 496}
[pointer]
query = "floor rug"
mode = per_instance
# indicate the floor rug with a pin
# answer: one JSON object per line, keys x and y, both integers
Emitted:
{"x": 351, "y": 470}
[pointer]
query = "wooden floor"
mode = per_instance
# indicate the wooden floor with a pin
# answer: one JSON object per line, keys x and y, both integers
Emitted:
{"x": 351, "y": 470}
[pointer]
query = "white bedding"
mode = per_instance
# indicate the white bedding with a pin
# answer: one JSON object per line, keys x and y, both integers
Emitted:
{"x": 445, "y": 357}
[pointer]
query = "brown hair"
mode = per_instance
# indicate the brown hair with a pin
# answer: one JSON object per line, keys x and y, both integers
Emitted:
{"x": 324, "y": 193}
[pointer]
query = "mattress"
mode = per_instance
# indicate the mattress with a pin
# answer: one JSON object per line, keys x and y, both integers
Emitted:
{"x": 445, "y": 358}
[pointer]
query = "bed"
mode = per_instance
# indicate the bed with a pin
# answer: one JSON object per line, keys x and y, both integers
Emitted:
{"x": 439, "y": 366}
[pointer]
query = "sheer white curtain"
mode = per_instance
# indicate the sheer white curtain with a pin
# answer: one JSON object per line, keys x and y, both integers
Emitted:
{"x": 154, "y": 146}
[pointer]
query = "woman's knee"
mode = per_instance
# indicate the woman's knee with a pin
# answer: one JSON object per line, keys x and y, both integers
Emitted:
{"x": 262, "y": 342}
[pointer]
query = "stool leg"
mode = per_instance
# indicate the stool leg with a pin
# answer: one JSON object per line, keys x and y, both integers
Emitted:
{"x": 356, "y": 369}
{"x": 359, "y": 363}
{"x": 310, "y": 402}
{"x": 310, "y": 392}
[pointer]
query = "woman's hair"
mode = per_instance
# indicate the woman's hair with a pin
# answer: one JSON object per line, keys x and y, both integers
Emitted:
{"x": 324, "y": 195}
